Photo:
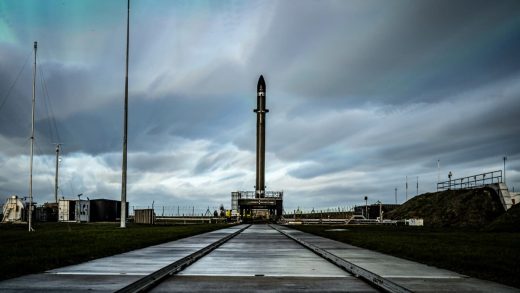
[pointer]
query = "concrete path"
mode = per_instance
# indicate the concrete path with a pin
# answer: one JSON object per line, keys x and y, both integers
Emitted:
{"x": 258, "y": 259}
{"x": 412, "y": 275}
{"x": 112, "y": 273}
{"x": 262, "y": 259}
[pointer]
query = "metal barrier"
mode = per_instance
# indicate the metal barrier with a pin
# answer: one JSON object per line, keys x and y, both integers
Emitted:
{"x": 252, "y": 194}
{"x": 471, "y": 181}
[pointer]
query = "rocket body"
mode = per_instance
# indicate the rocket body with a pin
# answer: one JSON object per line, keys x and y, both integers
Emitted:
{"x": 260, "y": 138}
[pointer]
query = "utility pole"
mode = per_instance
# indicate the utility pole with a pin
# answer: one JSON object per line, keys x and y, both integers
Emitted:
{"x": 417, "y": 186}
{"x": 396, "y": 195}
{"x": 32, "y": 141}
{"x": 406, "y": 189}
{"x": 56, "y": 176}
{"x": 125, "y": 135}
{"x": 505, "y": 158}
{"x": 380, "y": 211}
{"x": 78, "y": 209}
{"x": 366, "y": 206}
{"x": 438, "y": 171}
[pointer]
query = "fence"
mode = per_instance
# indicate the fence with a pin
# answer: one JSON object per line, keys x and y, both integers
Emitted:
{"x": 471, "y": 181}
{"x": 317, "y": 212}
{"x": 179, "y": 211}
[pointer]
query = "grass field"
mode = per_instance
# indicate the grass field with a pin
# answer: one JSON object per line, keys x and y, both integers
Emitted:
{"x": 55, "y": 245}
{"x": 490, "y": 256}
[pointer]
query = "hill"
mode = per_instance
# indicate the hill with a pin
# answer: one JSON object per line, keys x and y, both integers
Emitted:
{"x": 452, "y": 208}
{"x": 507, "y": 222}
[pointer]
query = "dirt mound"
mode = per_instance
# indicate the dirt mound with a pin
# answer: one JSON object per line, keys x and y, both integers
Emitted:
{"x": 508, "y": 222}
{"x": 452, "y": 208}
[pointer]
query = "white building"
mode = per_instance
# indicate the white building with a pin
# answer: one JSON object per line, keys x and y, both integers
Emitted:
{"x": 13, "y": 210}
{"x": 73, "y": 210}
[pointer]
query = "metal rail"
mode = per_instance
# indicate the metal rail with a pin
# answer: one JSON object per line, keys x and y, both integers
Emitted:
{"x": 473, "y": 181}
{"x": 148, "y": 282}
{"x": 357, "y": 271}
{"x": 252, "y": 194}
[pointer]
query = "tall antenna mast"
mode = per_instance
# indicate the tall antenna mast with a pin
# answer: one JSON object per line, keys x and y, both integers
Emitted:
{"x": 32, "y": 142}
{"x": 56, "y": 176}
{"x": 417, "y": 186}
{"x": 438, "y": 171}
{"x": 125, "y": 135}
{"x": 406, "y": 188}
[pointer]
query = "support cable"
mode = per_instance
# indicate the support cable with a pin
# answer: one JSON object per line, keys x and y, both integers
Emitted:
{"x": 4, "y": 100}
{"x": 55, "y": 136}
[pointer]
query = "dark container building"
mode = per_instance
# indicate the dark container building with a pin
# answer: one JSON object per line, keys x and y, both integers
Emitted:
{"x": 105, "y": 210}
{"x": 374, "y": 209}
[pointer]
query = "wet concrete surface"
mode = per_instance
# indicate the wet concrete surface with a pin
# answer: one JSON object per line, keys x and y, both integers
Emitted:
{"x": 263, "y": 259}
{"x": 185, "y": 283}
{"x": 112, "y": 273}
{"x": 263, "y": 251}
{"x": 414, "y": 276}
{"x": 259, "y": 259}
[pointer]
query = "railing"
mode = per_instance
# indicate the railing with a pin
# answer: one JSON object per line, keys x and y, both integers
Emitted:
{"x": 471, "y": 181}
{"x": 252, "y": 194}
{"x": 178, "y": 210}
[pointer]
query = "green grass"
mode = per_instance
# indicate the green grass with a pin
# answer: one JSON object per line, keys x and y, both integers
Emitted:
{"x": 55, "y": 245}
{"x": 485, "y": 255}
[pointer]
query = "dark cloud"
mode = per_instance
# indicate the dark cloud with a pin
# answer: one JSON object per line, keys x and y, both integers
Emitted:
{"x": 421, "y": 52}
{"x": 361, "y": 94}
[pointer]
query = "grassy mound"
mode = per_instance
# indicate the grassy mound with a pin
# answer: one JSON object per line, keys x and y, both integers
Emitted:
{"x": 452, "y": 208}
{"x": 508, "y": 222}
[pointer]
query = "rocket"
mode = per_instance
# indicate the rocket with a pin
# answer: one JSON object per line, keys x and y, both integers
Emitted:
{"x": 260, "y": 138}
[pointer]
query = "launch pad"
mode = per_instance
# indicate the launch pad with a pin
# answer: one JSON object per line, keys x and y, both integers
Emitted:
{"x": 259, "y": 204}
{"x": 250, "y": 207}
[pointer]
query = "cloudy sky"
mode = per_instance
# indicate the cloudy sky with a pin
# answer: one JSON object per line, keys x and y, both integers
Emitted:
{"x": 361, "y": 94}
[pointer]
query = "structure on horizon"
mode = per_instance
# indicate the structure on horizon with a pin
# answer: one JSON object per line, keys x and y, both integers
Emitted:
{"x": 260, "y": 203}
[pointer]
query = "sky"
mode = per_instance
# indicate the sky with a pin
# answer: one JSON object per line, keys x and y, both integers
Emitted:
{"x": 362, "y": 95}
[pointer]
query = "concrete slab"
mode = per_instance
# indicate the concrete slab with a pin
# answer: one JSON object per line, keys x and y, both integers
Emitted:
{"x": 261, "y": 250}
{"x": 259, "y": 259}
{"x": 114, "y": 272}
{"x": 66, "y": 283}
{"x": 261, "y": 284}
{"x": 262, "y": 259}
{"x": 414, "y": 276}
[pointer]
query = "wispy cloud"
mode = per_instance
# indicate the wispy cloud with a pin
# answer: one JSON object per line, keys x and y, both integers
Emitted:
{"x": 361, "y": 93}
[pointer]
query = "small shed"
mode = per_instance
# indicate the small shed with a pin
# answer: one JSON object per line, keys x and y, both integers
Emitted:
{"x": 83, "y": 211}
{"x": 144, "y": 216}
{"x": 67, "y": 210}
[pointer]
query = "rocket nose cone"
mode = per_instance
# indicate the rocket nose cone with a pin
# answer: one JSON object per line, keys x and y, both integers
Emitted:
{"x": 261, "y": 83}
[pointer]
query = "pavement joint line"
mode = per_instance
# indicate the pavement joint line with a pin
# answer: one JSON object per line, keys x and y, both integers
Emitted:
{"x": 151, "y": 280}
{"x": 98, "y": 274}
{"x": 268, "y": 275}
{"x": 357, "y": 271}
{"x": 423, "y": 277}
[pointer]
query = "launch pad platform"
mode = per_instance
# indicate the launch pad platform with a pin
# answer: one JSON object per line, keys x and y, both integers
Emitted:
{"x": 254, "y": 206}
